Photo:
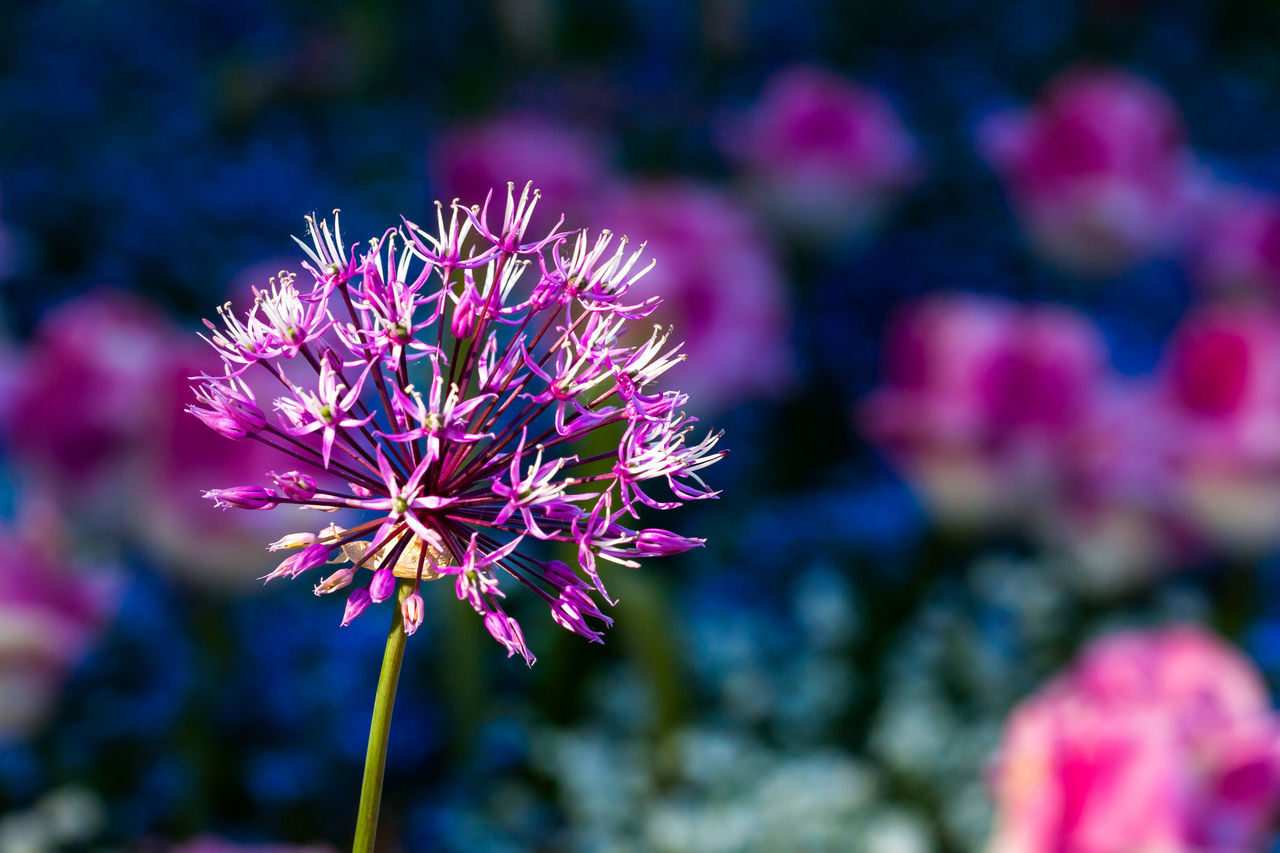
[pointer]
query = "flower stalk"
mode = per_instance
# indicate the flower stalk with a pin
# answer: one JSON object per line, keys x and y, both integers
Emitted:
{"x": 375, "y": 759}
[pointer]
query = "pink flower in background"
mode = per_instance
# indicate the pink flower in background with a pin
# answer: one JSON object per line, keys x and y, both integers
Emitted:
{"x": 1236, "y": 249}
{"x": 568, "y": 164}
{"x": 1113, "y": 514}
{"x": 182, "y": 458}
{"x": 50, "y": 613}
{"x": 721, "y": 287}
{"x": 1220, "y": 384}
{"x": 824, "y": 154}
{"x": 980, "y": 399}
{"x": 93, "y": 417}
{"x": 1154, "y": 741}
{"x": 81, "y": 400}
{"x": 1098, "y": 170}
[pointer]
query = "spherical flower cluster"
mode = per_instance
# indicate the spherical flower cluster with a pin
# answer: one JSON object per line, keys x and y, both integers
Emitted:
{"x": 1164, "y": 740}
{"x": 424, "y": 382}
{"x": 1098, "y": 171}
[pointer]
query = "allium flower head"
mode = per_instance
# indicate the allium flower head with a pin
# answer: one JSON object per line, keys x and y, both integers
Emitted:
{"x": 439, "y": 381}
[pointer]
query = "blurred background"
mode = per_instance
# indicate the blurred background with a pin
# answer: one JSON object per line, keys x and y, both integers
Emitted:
{"x": 984, "y": 294}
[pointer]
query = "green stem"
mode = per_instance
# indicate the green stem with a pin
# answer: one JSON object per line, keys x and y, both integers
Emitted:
{"x": 375, "y": 758}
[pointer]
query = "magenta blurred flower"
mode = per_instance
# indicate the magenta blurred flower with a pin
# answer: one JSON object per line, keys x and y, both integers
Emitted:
{"x": 1114, "y": 513}
{"x": 824, "y": 154}
{"x": 980, "y": 399}
{"x": 50, "y": 613}
{"x": 180, "y": 460}
{"x": 1098, "y": 170}
{"x": 566, "y": 163}
{"x": 1155, "y": 741}
{"x": 1236, "y": 248}
{"x": 424, "y": 384}
{"x": 1220, "y": 384}
{"x": 81, "y": 401}
{"x": 720, "y": 286}
{"x": 94, "y": 420}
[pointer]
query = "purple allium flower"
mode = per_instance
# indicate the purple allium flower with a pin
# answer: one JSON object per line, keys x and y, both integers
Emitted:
{"x": 440, "y": 382}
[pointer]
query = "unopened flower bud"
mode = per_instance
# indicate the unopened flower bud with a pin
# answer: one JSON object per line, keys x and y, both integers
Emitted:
{"x": 336, "y": 581}
{"x": 292, "y": 541}
{"x": 655, "y": 542}
{"x": 357, "y": 603}
{"x": 411, "y": 611}
{"x": 295, "y": 485}
{"x": 382, "y": 585}
{"x": 230, "y": 412}
{"x": 242, "y": 497}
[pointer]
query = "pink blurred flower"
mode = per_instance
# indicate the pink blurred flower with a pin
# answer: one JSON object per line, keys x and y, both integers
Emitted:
{"x": 979, "y": 400}
{"x": 182, "y": 459}
{"x": 824, "y": 154}
{"x": 1220, "y": 383}
{"x": 81, "y": 401}
{"x": 50, "y": 613}
{"x": 569, "y": 165}
{"x": 94, "y": 419}
{"x": 1236, "y": 249}
{"x": 721, "y": 290}
{"x": 1153, "y": 741}
{"x": 1098, "y": 170}
{"x": 1113, "y": 513}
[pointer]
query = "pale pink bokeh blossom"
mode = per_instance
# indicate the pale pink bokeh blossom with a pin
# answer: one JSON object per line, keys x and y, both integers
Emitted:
{"x": 825, "y": 155}
{"x": 1098, "y": 170}
{"x": 1220, "y": 387}
{"x": 80, "y": 402}
{"x": 980, "y": 398}
{"x": 51, "y": 612}
{"x": 1153, "y": 741}
{"x": 721, "y": 286}
{"x": 1236, "y": 250}
{"x": 93, "y": 420}
{"x": 568, "y": 163}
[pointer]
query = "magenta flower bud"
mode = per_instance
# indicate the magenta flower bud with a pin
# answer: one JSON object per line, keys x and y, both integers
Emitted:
{"x": 295, "y": 485}
{"x": 507, "y": 631}
{"x": 311, "y": 557}
{"x": 383, "y": 585}
{"x": 464, "y": 316}
{"x": 357, "y": 603}
{"x": 242, "y": 497}
{"x": 308, "y": 558}
{"x": 412, "y": 612}
{"x": 229, "y": 411}
{"x": 655, "y": 542}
